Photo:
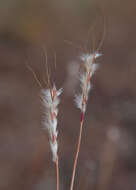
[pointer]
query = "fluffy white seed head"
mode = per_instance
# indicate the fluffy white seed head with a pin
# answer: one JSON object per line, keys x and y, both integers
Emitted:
{"x": 85, "y": 79}
{"x": 51, "y": 100}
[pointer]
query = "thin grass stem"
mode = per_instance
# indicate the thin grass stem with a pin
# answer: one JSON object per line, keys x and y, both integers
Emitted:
{"x": 57, "y": 173}
{"x": 77, "y": 151}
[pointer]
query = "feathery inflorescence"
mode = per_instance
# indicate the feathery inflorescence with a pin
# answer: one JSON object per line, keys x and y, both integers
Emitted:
{"x": 89, "y": 68}
{"x": 51, "y": 100}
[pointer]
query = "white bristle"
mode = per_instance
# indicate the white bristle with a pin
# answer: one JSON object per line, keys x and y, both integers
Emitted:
{"x": 78, "y": 101}
{"x": 54, "y": 149}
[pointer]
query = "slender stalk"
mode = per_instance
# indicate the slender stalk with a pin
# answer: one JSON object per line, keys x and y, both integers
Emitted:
{"x": 57, "y": 173}
{"x": 77, "y": 151}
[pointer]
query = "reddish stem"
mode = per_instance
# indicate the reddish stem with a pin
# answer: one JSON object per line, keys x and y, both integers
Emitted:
{"x": 77, "y": 151}
{"x": 57, "y": 173}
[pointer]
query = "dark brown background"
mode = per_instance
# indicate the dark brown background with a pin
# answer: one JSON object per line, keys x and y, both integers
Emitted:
{"x": 108, "y": 151}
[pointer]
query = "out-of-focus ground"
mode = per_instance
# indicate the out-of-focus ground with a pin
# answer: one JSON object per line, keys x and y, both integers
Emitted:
{"x": 28, "y": 28}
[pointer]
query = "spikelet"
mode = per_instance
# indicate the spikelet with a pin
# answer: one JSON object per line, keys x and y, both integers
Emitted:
{"x": 51, "y": 100}
{"x": 85, "y": 79}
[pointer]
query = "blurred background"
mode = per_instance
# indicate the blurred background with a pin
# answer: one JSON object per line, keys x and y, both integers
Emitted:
{"x": 68, "y": 28}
